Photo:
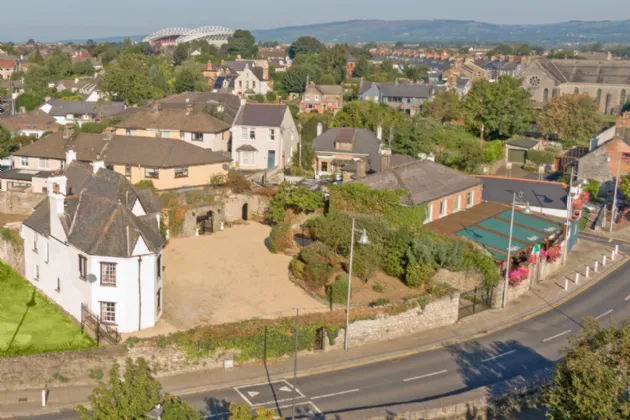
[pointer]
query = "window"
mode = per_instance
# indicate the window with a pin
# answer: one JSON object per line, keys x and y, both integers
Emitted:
{"x": 196, "y": 136}
{"x": 247, "y": 84}
{"x": 158, "y": 301}
{"x": 470, "y": 199}
{"x": 546, "y": 95}
{"x": 443, "y": 208}
{"x": 252, "y": 134}
{"x": 24, "y": 162}
{"x": 181, "y": 172}
{"x": 127, "y": 170}
{"x": 108, "y": 312}
{"x": 151, "y": 173}
{"x": 429, "y": 214}
{"x": 82, "y": 266}
{"x": 316, "y": 97}
{"x": 254, "y": 84}
{"x": 272, "y": 134}
{"x": 35, "y": 242}
{"x": 240, "y": 84}
{"x": 324, "y": 166}
{"x": 158, "y": 267}
{"x": 457, "y": 203}
{"x": 58, "y": 288}
{"x": 244, "y": 133}
{"x": 43, "y": 163}
{"x": 46, "y": 253}
{"x": 108, "y": 274}
{"x": 37, "y": 272}
{"x": 247, "y": 158}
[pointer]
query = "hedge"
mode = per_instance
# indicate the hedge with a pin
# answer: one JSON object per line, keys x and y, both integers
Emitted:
{"x": 280, "y": 238}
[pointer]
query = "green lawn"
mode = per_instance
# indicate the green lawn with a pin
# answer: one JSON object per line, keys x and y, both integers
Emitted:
{"x": 608, "y": 118}
{"x": 29, "y": 324}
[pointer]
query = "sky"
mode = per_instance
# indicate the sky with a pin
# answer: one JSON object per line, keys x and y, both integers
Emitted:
{"x": 46, "y": 20}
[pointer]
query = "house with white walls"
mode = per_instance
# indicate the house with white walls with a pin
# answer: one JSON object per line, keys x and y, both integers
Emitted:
{"x": 94, "y": 244}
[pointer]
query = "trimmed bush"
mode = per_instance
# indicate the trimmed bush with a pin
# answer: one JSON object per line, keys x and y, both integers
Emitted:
{"x": 338, "y": 291}
{"x": 297, "y": 268}
{"x": 541, "y": 157}
{"x": 418, "y": 274}
{"x": 145, "y": 184}
{"x": 317, "y": 274}
{"x": 365, "y": 262}
{"x": 280, "y": 238}
{"x": 318, "y": 251}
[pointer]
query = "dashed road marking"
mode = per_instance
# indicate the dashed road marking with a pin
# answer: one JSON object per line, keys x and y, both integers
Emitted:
{"x": 425, "y": 376}
{"x": 556, "y": 336}
{"x": 335, "y": 394}
{"x": 500, "y": 355}
{"x": 608, "y": 312}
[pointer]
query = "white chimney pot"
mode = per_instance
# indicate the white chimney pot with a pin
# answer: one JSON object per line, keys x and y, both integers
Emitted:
{"x": 71, "y": 156}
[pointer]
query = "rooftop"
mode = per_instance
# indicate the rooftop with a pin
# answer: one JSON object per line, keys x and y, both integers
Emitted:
{"x": 363, "y": 141}
{"x": 545, "y": 194}
{"x": 182, "y": 119}
{"x": 265, "y": 115}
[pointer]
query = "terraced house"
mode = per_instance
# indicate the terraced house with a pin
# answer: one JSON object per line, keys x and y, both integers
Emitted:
{"x": 188, "y": 124}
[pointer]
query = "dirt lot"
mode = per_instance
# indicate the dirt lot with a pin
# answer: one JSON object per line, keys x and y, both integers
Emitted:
{"x": 228, "y": 276}
{"x": 11, "y": 218}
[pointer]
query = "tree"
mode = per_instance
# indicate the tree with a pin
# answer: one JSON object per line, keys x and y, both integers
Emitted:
{"x": 31, "y": 41}
{"x": 571, "y": 118}
{"x": 626, "y": 107}
{"x": 501, "y": 49}
{"x": 129, "y": 79}
{"x": 271, "y": 96}
{"x": 294, "y": 79}
{"x": 36, "y": 80}
{"x": 327, "y": 79}
{"x": 593, "y": 378}
{"x": 244, "y": 412}
{"x": 7, "y": 144}
{"x": 367, "y": 115}
{"x": 189, "y": 78}
{"x": 29, "y": 101}
{"x": 268, "y": 44}
{"x": 37, "y": 56}
{"x": 241, "y": 43}
{"x": 180, "y": 54}
{"x": 83, "y": 68}
{"x": 362, "y": 69}
{"x": 132, "y": 396}
{"x": 502, "y": 109}
{"x": 415, "y": 72}
{"x": 296, "y": 199}
{"x": 445, "y": 107}
{"x": 305, "y": 45}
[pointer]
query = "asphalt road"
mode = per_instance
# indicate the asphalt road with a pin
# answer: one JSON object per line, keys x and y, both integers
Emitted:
{"x": 518, "y": 350}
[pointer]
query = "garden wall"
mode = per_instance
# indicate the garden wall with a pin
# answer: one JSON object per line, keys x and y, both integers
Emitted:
{"x": 15, "y": 202}
{"x": 438, "y": 313}
{"x": 13, "y": 255}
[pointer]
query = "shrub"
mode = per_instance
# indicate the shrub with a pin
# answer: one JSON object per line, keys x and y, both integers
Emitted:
{"x": 541, "y": 157}
{"x": 380, "y": 302}
{"x": 378, "y": 287}
{"x": 297, "y": 268}
{"x": 338, "y": 291}
{"x": 592, "y": 188}
{"x": 280, "y": 238}
{"x": 238, "y": 183}
{"x": 218, "y": 179}
{"x": 317, "y": 273}
{"x": 393, "y": 258}
{"x": 318, "y": 251}
{"x": 493, "y": 151}
{"x": 145, "y": 184}
{"x": 418, "y": 274}
{"x": 271, "y": 96}
{"x": 365, "y": 262}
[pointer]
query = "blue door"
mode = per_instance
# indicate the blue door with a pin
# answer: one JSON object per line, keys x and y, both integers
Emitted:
{"x": 271, "y": 159}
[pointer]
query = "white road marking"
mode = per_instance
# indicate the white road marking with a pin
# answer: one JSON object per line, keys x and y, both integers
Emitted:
{"x": 285, "y": 389}
{"x": 307, "y": 402}
{"x": 627, "y": 298}
{"x": 218, "y": 415}
{"x": 238, "y": 388}
{"x": 604, "y": 314}
{"x": 242, "y": 396}
{"x": 500, "y": 355}
{"x": 252, "y": 393}
{"x": 279, "y": 401}
{"x": 425, "y": 376}
{"x": 335, "y": 394}
{"x": 556, "y": 336}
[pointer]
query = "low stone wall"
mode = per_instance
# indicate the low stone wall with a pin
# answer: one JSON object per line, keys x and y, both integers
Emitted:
{"x": 13, "y": 256}
{"x": 438, "y": 313}
{"x": 462, "y": 281}
{"x": 14, "y": 202}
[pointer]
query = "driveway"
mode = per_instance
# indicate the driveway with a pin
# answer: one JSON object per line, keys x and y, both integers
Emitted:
{"x": 226, "y": 277}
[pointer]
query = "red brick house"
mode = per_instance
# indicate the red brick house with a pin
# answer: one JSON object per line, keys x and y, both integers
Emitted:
{"x": 322, "y": 98}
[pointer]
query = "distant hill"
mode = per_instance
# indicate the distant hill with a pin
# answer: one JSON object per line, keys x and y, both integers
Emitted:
{"x": 136, "y": 38}
{"x": 453, "y": 30}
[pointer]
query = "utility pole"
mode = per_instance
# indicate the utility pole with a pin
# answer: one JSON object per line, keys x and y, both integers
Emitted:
{"x": 568, "y": 223}
{"x": 295, "y": 352}
{"x": 614, "y": 203}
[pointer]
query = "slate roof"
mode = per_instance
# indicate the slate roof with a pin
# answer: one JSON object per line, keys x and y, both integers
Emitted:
{"x": 265, "y": 115}
{"x": 61, "y": 108}
{"x": 13, "y": 122}
{"x": 174, "y": 119}
{"x": 19, "y": 174}
{"x": 246, "y": 148}
{"x": 124, "y": 150}
{"x": 374, "y": 163}
{"x": 202, "y": 100}
{"x": 364, "y": 142}
{"x": 424, "y": 180}
{"x": 98, "y": 217}
{"x": 550, "y": 195}
{"x": 587, "y": 71}
{"x": 523, "y": 142}
{"x": 403, "y": 90}
{"x": 330, "y": 89}
{"x": 259, "y": 73}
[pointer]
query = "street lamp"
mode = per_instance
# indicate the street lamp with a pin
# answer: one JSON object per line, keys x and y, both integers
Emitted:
{"x": 509, "y": 249}
{"x": 363, "y": 240}
{"x": 299, "y": 127}
{"x": 614, "y": 203}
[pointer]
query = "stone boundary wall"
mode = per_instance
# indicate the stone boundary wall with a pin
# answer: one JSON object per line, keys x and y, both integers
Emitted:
{"x": 13, "y": 256}
{"x": 15, "y": 202}
{"x": 437, "y": 313}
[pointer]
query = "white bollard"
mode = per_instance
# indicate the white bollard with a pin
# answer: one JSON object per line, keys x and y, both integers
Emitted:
{"x": 43, "y": 398}
{"x": 566, "y": 284}
{"x": 588, "y": 269}
{"x": 604, "y": 261}
{"x": 596, "y": 266}
{"x": 616, "y": 249}
{"x": 612, "y": 255}
{"x": 577, "y": 278}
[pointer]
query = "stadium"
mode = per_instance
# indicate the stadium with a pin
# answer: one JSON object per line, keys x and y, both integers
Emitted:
{"x": 215, "y": 35}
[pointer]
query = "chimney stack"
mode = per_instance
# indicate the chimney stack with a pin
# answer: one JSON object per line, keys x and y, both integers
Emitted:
{"x": 361, "y": 168}
{"x": 109, "y": 133}
{"x": 320, "y": 129}
{"x": 57, "y": 190}
{"x": 622, "y": 127}
{"x": 379, "y": 132}
{"x": 386, "y": 159}
{"x": 71, "y": 156}
{"x": 68, "y": 131}
{"x": 189, "y": 108}
{"x": 97, "y": 164}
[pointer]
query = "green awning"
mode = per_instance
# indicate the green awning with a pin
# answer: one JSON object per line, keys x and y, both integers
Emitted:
{"x": 490, "y": 239}
{"x": 536, "y": 223}
{"x": 522, "y": 234}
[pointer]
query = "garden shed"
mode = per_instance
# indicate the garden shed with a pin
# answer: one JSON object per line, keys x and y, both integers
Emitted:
{"x": 516, "y": 149}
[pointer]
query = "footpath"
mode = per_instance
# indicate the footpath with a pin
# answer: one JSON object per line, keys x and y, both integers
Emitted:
{"x": 541, "y": 297}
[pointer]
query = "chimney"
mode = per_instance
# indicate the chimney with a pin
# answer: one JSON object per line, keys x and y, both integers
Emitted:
{"x": 68, "y": 131}
{"x": 622, "y": 128}
{"x": 57, "y": 190}
{"x": 243, "y": 101}
{"x": 386, "y": 159}
{"x": 109, "y": 133}
{"x": 97, "y": 164}
{"x": 320, "y": 129}
{"x": 189, "y": 108}
{"x": 361, "y": 168}
{"x": 71, "y": 156}
{"x": 379, "y": 132}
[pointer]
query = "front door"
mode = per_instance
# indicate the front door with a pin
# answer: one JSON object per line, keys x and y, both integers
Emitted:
{"x": 271, "y": 159}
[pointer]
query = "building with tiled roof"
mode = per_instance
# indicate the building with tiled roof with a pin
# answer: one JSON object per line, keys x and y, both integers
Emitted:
{"x": 34, "y": 123}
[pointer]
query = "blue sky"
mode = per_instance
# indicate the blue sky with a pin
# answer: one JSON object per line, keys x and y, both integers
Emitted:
{"x": 49, "y": 20}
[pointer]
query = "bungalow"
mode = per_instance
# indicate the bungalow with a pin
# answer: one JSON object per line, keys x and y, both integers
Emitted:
{"x": 81, "y": 112}
{"x": 33, "y": 123}
{"x": 402, "y": 96}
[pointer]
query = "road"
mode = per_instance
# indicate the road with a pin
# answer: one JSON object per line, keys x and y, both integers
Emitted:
{"x": 380, "y": 387}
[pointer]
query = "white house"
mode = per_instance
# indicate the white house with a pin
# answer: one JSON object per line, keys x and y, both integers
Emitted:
{"x": 264, "y": 136}
{"x": 95, "y": 242}
{"x": 251, "y": 81}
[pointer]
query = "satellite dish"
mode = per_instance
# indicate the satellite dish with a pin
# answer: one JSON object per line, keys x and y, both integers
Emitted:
{"x": 225, "y": 166}
{"x": 91, "y": 278}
